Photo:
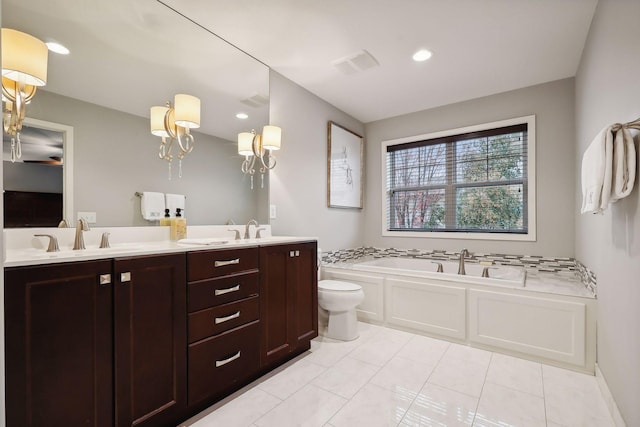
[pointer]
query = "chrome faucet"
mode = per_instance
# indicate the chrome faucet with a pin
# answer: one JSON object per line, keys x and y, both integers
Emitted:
{"x": 463, "y": 253}
{"x": 78, "y": 242}
{"x": 246, "y": 228}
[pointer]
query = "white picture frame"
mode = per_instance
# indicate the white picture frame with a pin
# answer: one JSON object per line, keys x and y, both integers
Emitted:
{"x": 345, "y": 160}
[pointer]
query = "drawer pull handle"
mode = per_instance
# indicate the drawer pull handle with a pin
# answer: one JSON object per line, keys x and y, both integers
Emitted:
{"x": 235, "y": 315}
{"x": 225, "y": 361}
{"x": 226, "y": 291}
{"x": 223, "y": 263}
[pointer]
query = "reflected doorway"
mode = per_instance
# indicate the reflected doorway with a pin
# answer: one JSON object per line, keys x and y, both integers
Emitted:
{"x": 34, "y": 185}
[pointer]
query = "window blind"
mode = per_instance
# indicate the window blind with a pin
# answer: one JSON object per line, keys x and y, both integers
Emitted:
{"x": 472, "y": 182}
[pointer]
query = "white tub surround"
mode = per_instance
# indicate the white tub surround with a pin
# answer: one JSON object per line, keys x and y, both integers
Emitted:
{"x": 551, "y": 319}
{"x": 566, "y": 271}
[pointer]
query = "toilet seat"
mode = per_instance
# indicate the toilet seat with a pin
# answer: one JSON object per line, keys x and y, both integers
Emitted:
{"x": 337, "y": 285}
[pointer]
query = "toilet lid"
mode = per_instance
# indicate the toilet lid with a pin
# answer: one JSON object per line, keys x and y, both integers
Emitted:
{"x": 337, "y": 285}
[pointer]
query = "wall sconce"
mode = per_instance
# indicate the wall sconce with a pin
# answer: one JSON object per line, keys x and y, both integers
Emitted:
{"x": 173, "y": 123}
{"x": 254, "y": 146}
{"x": 24, "y": 68}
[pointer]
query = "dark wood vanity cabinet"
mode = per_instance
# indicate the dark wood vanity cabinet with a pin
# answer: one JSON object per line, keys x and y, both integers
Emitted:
{"x": 150, "y": 340}
{"x": 288, "y": 300}
{"x": 96, "y": 343}
{"x": 59, "y": 345}
{"x": 223, "y": 320}
{"x": 150, "y": 310}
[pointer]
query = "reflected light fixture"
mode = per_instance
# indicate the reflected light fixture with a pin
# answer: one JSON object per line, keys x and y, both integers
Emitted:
{"x": 173, "y": 123}
{"x": 24, "y": 68}
{"x": 255, "y": 146}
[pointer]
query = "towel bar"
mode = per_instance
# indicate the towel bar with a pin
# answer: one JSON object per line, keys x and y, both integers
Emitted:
{"x": 139, "y": 194}
{"x": 635, "y": 124}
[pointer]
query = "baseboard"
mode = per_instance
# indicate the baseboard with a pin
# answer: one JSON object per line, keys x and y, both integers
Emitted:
{"x": 609, "y": 400}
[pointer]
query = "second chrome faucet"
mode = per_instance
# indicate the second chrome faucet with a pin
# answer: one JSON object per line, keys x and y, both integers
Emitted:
{"x": 463, "y": 253}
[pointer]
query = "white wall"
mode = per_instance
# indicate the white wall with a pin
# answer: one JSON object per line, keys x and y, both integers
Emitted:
{"x": 553, "y": 105}
{"x": 608, "y": 91}
{"x": 298, "y": 184}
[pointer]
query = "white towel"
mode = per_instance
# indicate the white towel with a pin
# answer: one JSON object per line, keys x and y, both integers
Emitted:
{"x": 152, "y": 205}
{"x": 624, "y": 165}
{"x": 597, "y": 165}
{"x": 173, "y": 202}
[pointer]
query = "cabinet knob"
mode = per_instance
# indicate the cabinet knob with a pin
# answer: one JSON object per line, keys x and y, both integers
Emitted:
{"x": 105, "y": 279}
{"x": 125, "y": 277}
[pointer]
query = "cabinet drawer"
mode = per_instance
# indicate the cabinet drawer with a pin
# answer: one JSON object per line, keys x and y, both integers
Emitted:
{"x": 208, "y": 293}
{"x": 215, "y": 320}
{"x": 218, "y": 363}
{"x": 206, "y": 264}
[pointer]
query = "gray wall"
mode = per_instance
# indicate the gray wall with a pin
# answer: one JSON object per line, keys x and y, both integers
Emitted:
{"x": 32, "y": 177}
{"x": 608, "y": 91}
{"x": 553, "y": 105}
{"x": 299, "y": 181}
{"x": 115, "y": 156}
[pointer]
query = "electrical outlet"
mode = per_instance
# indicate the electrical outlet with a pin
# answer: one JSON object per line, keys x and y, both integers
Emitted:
{"x": 272, "y": 211}
{"x": 90, "y": 217}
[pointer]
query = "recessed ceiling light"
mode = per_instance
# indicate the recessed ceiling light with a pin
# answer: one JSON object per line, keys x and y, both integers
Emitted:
{"x": 57, "y": 48}
{"x": 422, "y": 55}
{"x": 242, "y": 116}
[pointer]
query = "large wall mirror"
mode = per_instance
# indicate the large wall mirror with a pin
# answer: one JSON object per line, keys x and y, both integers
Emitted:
{"x": 126, "y": 56}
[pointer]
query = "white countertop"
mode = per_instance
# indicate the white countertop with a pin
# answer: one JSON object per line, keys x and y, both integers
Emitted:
{"x": 21, "y": 248}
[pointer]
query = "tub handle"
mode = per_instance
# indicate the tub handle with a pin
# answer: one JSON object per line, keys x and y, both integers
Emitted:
{"x": 439, "y": 270}
{"x": 485, "y": 271}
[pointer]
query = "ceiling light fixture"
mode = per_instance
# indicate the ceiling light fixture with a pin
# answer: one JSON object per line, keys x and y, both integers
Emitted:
{"x": 173, "y": 123}
{"x": 422, "y": 55}
{"x": 242, "y": 116}
{"x": 24, "y": 68}
{"x": 57, "y": 48}
{"x": 255, "y": 146}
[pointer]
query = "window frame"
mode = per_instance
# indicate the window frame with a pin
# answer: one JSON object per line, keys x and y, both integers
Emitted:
{"x": 530, "y": 213}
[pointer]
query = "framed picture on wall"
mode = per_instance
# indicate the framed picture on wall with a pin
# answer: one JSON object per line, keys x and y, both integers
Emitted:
{"x": 345, "y": 159}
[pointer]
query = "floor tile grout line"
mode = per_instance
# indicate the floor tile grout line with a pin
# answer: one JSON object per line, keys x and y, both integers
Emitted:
{"x": 475, "y": 415}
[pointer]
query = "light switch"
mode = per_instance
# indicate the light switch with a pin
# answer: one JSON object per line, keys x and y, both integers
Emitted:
{"x": 272, "y": 211}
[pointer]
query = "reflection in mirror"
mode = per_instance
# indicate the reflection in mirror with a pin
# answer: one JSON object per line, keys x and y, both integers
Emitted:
{"x": 126, "y": 57}
{"x": 35, "y": 184}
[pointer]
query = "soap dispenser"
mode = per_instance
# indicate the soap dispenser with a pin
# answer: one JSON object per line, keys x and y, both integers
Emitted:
{"x": 178, "y": 226}
{"x": 167, "y": 218}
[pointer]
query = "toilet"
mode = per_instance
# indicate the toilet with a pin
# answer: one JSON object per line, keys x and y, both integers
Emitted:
{"x": 340, "y": 300}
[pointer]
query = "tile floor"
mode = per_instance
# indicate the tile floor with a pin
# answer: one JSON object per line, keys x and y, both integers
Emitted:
{"x": 393, "y": 378}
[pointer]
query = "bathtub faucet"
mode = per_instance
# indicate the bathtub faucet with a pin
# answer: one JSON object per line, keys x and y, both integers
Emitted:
{"x": 463, "y": 253}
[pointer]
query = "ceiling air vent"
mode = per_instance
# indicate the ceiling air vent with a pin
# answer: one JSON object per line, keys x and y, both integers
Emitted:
{"x": 256, "y": 101}
{"x": 355, "y": 62}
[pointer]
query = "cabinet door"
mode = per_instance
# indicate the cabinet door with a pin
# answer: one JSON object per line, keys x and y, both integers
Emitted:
{"x": 276, "y": 314}
{"x": 150, "y": 340}
{"x": 59, "y": 348}
{"x": 303, "y": 278}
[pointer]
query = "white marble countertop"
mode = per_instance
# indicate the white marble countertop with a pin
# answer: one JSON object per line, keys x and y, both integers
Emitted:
{"x": 21, "y": 248}
{"x": 561, "y": 283}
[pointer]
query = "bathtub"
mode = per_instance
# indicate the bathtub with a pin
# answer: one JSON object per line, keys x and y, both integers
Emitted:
{"x": 498, "y": 313}
{"x": 417, "y": 267}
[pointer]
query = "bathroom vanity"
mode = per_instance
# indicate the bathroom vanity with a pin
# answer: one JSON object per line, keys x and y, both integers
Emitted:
{"x": 152, "y": 339}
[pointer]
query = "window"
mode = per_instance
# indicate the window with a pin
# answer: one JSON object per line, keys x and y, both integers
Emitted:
{"x": 475, "y": 182}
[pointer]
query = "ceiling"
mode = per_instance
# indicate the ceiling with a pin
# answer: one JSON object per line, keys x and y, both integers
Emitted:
{"x": 480, "y": 47}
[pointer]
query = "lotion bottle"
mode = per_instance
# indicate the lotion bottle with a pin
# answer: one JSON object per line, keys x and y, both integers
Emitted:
{"x": 178, "y": 226}
{"x": 167, "y": 218}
